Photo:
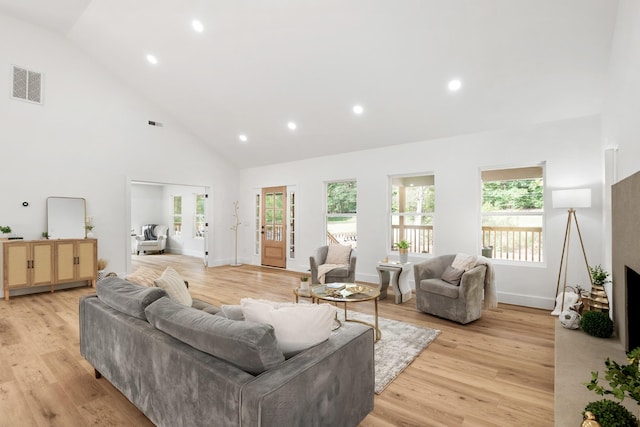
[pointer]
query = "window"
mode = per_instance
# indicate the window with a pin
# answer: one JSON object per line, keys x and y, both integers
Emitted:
{"x": 412, "y": 207}
{"x": 177, "y": 215}
{"x": 257, "y": 224}
{"x": 341, "y": 213}
{"x": 292, "y": 224}
{"x": 198, "y": 219}
{"x": 512, "y": 213}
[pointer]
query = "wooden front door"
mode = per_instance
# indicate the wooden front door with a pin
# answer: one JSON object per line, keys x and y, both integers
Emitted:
{"x": 273, "y": 227}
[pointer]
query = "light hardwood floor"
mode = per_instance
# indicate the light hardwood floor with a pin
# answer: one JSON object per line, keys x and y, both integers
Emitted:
{"x": 497, "y": 371}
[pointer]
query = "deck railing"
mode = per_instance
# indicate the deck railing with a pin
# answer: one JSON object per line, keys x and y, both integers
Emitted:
{"x": 512, "y": 243}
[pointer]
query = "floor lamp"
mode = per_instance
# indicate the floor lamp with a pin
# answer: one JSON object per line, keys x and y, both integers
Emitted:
{"x": 571, "y": 199}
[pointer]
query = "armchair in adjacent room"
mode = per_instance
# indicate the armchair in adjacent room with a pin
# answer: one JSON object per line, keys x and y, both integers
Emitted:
{"x": 333, "y": 263}
{"x": 152, "y": 239}
{"x": 454, "y": 293}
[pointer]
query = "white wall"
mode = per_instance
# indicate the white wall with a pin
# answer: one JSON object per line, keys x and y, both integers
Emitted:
{"x": 621, "y": 127}
{"x": 147, "y": 206}
{"x": 91, "y": 139}
{"x": 571, "y": 150}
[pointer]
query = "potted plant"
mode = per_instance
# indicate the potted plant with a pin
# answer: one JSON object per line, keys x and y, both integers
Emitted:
{"x": 599, "y": 275}
{"x": 597, "y": 324}
{"x": 624, "y": 380}
{"x": 45, "y": 235}
{"x": 304, "y": 283}
{"x": 5, "y": 229}
{"x": 403, "y": 250}
{"x": 609, "y": 413}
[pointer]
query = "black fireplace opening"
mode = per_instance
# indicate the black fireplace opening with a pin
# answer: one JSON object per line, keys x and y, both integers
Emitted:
{"x": 632, "y": 279}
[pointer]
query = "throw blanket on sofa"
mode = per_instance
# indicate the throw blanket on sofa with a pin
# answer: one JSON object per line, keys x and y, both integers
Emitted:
{"x": 148, "y": 231}
{"x": 490, "y": 297}
{"x": 323, "y": 269}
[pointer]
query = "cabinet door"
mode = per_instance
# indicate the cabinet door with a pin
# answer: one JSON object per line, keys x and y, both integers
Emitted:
{"x": 86, "y": 253}
{"x": 16, "y": 264}
{"x": 65, "y": 261}
{"x": 42, "y": 263}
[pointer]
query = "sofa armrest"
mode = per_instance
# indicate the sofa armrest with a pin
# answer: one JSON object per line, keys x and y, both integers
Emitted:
{"x": 341, "y": 370}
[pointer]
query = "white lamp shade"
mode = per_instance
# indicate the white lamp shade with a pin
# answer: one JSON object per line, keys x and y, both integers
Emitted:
{"x": 575, "y": 198}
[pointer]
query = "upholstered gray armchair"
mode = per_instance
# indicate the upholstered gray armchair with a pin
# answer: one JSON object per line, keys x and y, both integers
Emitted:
{"x": 461, "y": 303}
{"x": 345, "y": 274}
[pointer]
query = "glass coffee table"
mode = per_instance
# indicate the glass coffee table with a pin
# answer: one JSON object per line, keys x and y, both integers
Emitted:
{"x": 350, "y": 293}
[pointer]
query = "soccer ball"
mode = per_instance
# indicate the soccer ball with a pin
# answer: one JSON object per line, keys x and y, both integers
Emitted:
{"x": 570, "y": 319}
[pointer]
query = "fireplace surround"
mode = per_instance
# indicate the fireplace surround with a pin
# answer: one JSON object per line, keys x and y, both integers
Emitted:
{"x": 625, "y": 223}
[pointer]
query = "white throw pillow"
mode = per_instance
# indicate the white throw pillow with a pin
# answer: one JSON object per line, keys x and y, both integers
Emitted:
{"x": 338, "y": 254}
{"x": 297, "y": 326}
{"x": 175, "y": 287}
{"x": 570, "y": 298}
{"x": 143, "y": 276}
{"x": 464, "y": 262}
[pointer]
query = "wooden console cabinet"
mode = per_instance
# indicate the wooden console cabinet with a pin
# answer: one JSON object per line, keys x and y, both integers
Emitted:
{"x": 34, "y": 263}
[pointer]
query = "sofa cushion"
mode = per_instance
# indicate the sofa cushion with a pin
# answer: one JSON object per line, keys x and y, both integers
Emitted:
{"x": 249, "y": 346}
{"x": 297, "y": 326}
{"x": 233, "y": 312}
{"x": 452, "y": 275}
{"x": 171, "y": 282}
{"x": 143, "y": 276}
{"x": 440, "y": 287}
{"x": 126, "y": 297}
{"x": 205, "y": 306}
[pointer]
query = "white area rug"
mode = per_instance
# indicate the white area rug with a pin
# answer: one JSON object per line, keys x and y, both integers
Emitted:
{"x": 399, "y": 345}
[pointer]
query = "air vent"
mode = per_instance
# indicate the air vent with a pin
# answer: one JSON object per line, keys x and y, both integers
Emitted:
{"x": 27, "y": 85}
{"x": 154, "y": 123}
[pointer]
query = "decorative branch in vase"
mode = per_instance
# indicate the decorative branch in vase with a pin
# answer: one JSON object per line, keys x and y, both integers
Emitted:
{"x": 235, "y": 233}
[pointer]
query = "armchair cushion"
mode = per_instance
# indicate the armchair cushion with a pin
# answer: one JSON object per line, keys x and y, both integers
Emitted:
{"x": 452, "y": 275}
{"x": 338, "y": 254}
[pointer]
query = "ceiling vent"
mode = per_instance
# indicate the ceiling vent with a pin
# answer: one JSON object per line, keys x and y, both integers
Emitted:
{"x": 27, "y": 85}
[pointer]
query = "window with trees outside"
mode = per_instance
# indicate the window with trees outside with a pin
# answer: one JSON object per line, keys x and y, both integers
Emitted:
{"x": 199, "y": 219}
{"x": 513, "y": 213}
{"x": 412, "y": 208}
{"x": 341, "y": 213}
{"x": 177, "y": 215}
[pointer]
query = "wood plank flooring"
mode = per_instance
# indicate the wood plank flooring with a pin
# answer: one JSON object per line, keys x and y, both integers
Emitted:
{"x": 497, "y": 371}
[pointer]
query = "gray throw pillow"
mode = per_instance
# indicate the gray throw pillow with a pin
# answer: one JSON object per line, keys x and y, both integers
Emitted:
{"x": 251, "y": 347}
{"x": 452, "y": 275}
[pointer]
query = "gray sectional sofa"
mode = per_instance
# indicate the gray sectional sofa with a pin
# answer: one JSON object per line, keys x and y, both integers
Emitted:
{"x": 183, "y": 366}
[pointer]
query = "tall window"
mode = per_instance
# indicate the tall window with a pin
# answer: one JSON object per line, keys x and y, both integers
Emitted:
{"x": 198, "y": 219}
{"x": 257, "y": 225}
{"x": 412, "y": 207}
{"x": 292, "y": 224}
{"x": 341, "y": 213}
{"x": 512, "y": 213}
{"x": 177, "y": 215}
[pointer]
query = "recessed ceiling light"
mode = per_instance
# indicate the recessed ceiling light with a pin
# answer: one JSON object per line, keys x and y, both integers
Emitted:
{"x": 292, "y": 126}
{"x": 455, "y": 85}
{"x": 197, "y": 26}
{"x": 152, "y": 59}
{"x": 243, "y": 138}
{"x": 358, "y": 109}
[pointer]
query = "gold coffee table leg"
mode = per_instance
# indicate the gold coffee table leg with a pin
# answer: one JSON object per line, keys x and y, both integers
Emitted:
{"x": 374, "y": 326}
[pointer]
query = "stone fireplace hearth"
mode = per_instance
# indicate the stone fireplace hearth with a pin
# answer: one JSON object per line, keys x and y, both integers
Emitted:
{"x": 625, "y": 221}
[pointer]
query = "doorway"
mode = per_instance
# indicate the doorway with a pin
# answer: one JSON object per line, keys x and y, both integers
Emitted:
{"x": 182, "y": 208}
{"x": 273, "y": 229}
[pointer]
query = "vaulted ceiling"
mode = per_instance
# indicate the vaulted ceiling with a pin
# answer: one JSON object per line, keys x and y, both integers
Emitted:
{"x": 260, "y": 64}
